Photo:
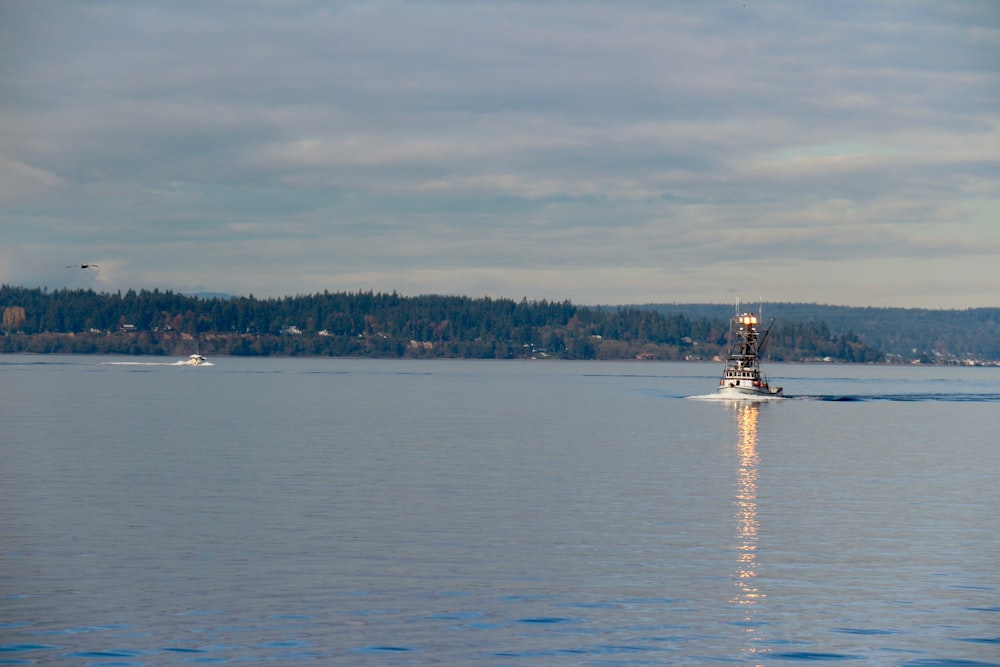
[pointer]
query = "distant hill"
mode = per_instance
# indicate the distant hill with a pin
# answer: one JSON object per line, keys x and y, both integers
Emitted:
{"x": 901, "y": 333}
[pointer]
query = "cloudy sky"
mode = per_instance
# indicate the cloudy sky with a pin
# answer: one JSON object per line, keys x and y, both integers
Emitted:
{"x": 604, "y": 152}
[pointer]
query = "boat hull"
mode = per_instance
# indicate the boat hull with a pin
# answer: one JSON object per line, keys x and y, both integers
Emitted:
{"x": 749, "y": 392}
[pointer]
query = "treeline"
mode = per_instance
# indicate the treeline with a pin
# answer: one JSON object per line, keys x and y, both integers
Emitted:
{"x": 809, "y": 340}
{"x": 902, "y": 334}
{"x": 380, "y": 325}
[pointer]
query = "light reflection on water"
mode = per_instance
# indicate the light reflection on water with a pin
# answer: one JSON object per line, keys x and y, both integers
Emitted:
{"x": 748, "y": 594}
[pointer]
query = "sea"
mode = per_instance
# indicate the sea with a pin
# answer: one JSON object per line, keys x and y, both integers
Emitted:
{"x": 261, "y": 511}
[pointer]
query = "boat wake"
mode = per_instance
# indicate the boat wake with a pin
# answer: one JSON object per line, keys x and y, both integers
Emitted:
{"x": 153, "y": 363}
{"x": 859, "y": 398}
{"x": 903, "y": 398}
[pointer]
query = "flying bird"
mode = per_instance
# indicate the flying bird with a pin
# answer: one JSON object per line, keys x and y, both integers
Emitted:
{"x": 82, "y": 266}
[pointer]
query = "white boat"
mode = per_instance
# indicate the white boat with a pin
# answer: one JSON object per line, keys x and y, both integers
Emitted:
{"x": 196, "y": 360}
{"x": 742, "y": 376}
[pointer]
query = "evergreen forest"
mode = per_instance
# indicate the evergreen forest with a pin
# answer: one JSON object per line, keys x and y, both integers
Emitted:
{"x": 369, "y": 324}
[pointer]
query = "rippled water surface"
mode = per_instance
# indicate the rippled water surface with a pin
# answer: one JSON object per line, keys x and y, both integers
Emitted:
{"x": 363, "y": 512}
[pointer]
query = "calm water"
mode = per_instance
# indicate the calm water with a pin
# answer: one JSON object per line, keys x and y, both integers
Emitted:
{"x": 362, "y": 512}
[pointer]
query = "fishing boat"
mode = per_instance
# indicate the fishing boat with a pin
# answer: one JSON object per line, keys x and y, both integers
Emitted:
{"x": 196, "y": 360}
{"x": 742, "y": 376}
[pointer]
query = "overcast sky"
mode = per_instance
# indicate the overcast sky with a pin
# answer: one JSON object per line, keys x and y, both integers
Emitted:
{"x": 604, "y": 152}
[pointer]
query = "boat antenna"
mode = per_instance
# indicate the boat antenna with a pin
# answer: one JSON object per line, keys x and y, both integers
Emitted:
{"x": 766, "y": 332}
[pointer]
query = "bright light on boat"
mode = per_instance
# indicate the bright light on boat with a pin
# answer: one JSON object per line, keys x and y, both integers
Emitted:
{"x": 748, "y": 320}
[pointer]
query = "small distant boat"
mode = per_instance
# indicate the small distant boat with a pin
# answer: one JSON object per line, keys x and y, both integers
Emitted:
{"x": 195, "y": 360}
{"x": 742, "y": 376}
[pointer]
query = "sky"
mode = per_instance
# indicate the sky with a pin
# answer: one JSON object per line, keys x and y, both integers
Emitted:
{"x": 618, "y": 152}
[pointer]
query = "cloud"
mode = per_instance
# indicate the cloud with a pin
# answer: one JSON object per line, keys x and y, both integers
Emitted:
{"x": 565, "y": 147}
{"x": 19, "y": 180}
